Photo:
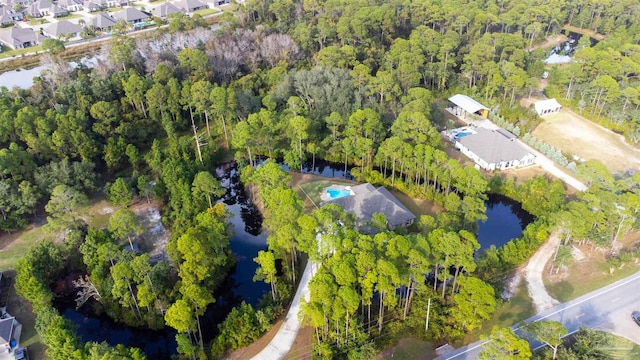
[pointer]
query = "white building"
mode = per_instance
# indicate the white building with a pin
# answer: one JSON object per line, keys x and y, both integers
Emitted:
{"x": 546, "y": 107}
{"x": 495, "y": 150}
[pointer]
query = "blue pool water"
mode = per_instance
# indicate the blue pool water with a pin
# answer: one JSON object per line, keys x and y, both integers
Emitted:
{"x": 462, "y": 134}
{"x": 335, "y": 193}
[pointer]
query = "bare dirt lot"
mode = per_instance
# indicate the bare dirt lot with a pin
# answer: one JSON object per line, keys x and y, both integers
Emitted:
{"x": 573, "y": 133}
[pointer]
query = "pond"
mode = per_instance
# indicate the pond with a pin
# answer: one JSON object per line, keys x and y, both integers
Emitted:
{"x": 563, "y": 53}
{"x": 23, "y": 78}
{"x": 248, "y": 238}
{"x": 505, "y": 221}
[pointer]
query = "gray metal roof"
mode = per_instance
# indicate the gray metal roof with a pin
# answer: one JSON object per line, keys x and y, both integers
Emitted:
{"x": 467, "y": 103}
{"x": 493, "y": 147}
{"x": 368, "y": 200}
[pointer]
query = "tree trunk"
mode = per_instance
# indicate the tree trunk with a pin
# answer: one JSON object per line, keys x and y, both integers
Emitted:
{"x": 206, "y": 120}
{"x": 381, "y": 312}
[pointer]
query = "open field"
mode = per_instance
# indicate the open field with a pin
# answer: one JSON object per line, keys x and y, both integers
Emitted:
{"x": 409, "y": 348}
{"x": 589, "y": 273}
{"x": 574, "y": 134}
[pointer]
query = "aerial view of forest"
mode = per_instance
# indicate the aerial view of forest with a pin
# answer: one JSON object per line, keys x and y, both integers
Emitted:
{"x": 170, "y": 198}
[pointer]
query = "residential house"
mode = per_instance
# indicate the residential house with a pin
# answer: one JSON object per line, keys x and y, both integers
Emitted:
{"x": 366, "y": 200}
{"x": 92, "y": 6}
{"x": 546, "y": 107}
{"x": 71, "y": 5}
{"x": 44, "y": 7}
{"x": 62, "y": 30}
{"x": 17, "y": 38}
{"x": 5, "y": 17}
{"x": 164, "y": 10}
{"x": 190, "y": 5}
{"x": 102, "y": 22}
{"x": 495, "y": 149}
{"x": 58, "y": 11}
{"x": 34, "y": 11}
{"x": 464, "y": 105}
{"x": 131, "y": 15}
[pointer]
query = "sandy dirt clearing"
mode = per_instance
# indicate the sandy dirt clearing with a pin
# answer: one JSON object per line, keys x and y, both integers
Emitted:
{"x": 577, "y": 135}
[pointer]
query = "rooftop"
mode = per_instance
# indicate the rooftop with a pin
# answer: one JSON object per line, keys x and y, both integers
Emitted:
{"x": 367, "y": 200}
{"x": 467, "y": 103}
{"x": 493, "y": 147}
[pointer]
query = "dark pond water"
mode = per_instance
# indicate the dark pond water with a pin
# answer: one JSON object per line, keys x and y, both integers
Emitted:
{"x": 505, "y": 221}
{"x": 563, "y": 53}
{"x": 247, "y": 240}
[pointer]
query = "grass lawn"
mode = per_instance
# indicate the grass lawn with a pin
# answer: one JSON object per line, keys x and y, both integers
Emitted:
{"x": 518, "y": 308}
{"x": 7, "y": 52}
{"x": 37, "y": 21}
{"x": 70, "y": 16}
{"x": 409, "y": 349}
{"x": 205, "y": 12}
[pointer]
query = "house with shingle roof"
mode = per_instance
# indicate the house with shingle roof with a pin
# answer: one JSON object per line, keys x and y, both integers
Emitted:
{"x": 71, "y": 5}
{"x": 5, "y": 17}
{"x": 495, "y": 150}
{"x": 44, "y": 6}
{"x": 102, "y": 21}
{"x": 164, "y": 10}
{"x": 17, "y": 38}
{"x": 190, "y": 5}
{"x": 58, "y": 11}
{"x": 131, "y": 15}
{"x": 62, "y": 29}
{"x": 367, "y": 200}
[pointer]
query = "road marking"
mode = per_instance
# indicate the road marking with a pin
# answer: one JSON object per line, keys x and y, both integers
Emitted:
{"x": 616, "y": 299}
{"x": 579, "y": 315}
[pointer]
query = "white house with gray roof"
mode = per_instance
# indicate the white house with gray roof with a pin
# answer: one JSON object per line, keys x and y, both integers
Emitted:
{"x": 131, "y": 15}
{"x": 164, "y": 10}
{"x": 190, "y": 5}
{"x": 495, "y": 150}
{"x": 17, "y": 38}
{"x": 62, "y": 30}
{"x": 367, "y": 200}
{"x": 102, "y": 21}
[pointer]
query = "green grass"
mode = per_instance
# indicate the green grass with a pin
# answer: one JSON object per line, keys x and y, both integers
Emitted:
{"x": 205, "y": 12}
{"x": 409, "y": 349}
{"x": 70, "y": 16}
{"x": 577, "y": 284}
{"x": 12, "y": 53}
{"x": 314, "y": 188}
{"x": 13, "y": 246}
{"x": 518, "y": 308}
{"x": 38, "y": 21}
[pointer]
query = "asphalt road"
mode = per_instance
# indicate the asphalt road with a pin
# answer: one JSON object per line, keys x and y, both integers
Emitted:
{"x": 608, "y": 309}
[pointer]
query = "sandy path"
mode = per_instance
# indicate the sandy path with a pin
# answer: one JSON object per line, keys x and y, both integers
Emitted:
{"x": 533, "y": 273}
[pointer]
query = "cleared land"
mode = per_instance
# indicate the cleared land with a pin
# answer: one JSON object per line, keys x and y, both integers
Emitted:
{"x": 574, "y": 134}
{"x": 589, "y": 272}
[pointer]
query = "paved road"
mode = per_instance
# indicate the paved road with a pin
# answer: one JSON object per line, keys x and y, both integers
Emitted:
{"x": 281, "y": 343}
{"x": 608, "y": 309}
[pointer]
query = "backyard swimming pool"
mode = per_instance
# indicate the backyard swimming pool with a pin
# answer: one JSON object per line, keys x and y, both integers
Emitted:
{"x": 462, "y": 134}
{"x": 338, "y": 193}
